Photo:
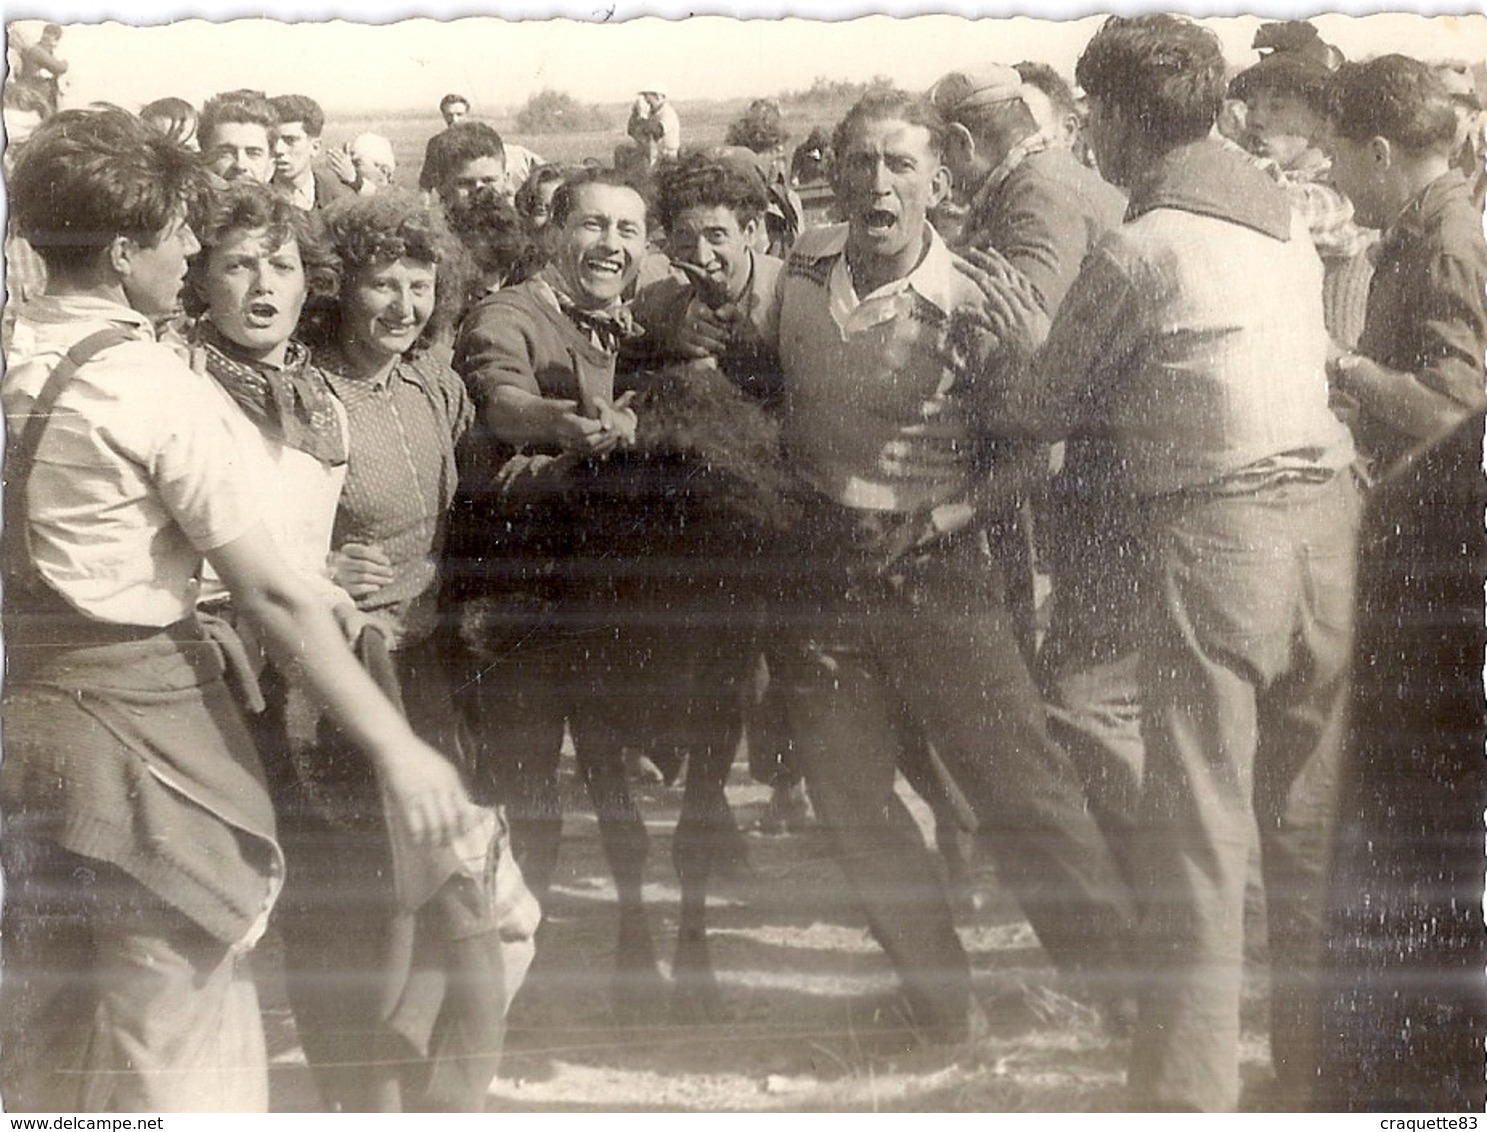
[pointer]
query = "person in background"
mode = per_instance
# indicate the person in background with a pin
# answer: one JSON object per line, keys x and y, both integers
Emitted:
{"x": 463, "y": 160}
{"x": 41, "y": 68}
{"x": 453, "y": 108}
{"x": 176, "y": 118}
{"x": 1044, "y": 211}
{"x": 534, "y": 198}
{"x": 654, "y": 125}
{"x": 1051, "y": 101}
{"x": 237, "y": 131}
{"x": 141, "y": 853}
{"x": 1186, "y": 329}
{"x": 373, "y": 161}
{"x": 297, "y": 144}
{"x": 25, "y": 272}
{"x": 761, "y": 130}
{"x": 1417, "y": 368}
{"x": 1470, "y": 104}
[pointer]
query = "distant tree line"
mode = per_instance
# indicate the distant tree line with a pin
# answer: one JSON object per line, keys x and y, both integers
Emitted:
{"x": 824, "y": 91}
{"x": 558, "y": 112}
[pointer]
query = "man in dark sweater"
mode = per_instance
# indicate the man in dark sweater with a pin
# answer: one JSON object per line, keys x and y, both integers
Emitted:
{"x": 1417, "y": 372}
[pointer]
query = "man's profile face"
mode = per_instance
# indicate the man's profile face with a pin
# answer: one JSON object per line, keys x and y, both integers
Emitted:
{"x": 887, "y": 178}
{"x": 239, "y": 149}
{"x": 454, "y": 112}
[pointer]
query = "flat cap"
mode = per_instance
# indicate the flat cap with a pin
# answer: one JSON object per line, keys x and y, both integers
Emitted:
{"x": 985, "y": 86}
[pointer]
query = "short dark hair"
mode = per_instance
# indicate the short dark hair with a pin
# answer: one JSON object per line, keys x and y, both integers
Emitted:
{"x": 362, "y": 232}
{"x": 51, "y": 31}
{"x": 700, "y": 180}
{"x": 877, "y": 105}
{"x": 450, "y": 99}
{"x": 1162, "y": 71}
{"x": 456, "y": 147}
{"x": 250, "y": 106}
{"x": 1051, "y": 83}
{"x": 300, "y": 108}
{"x": 87, "y": 176}
{"x": 1286, "y": 74}
{"x": 1393, "y": 97}
{"x": 563, "y": 199}
{"x": 246, "y": 206}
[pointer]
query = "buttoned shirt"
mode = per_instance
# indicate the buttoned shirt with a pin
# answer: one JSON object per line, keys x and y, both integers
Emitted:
{"x": 874, "y": 418}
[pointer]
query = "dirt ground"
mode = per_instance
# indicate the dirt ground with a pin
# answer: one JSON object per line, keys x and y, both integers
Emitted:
{"x": 804, "y": 988}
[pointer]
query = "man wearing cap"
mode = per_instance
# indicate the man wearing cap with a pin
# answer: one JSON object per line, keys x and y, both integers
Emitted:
{"x": 654, "y": 124}
{"x": 1034, "y": 202}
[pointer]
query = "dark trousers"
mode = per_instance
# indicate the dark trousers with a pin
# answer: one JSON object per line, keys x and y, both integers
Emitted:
{"x": 928, "y": 642}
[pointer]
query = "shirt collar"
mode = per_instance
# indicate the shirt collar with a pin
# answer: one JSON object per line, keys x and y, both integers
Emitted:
{"x": 934, "y": 280}
{"x": 1213, "y": 178}
{"x": 74, "y": 308}
{"x": 1423, "y": 207}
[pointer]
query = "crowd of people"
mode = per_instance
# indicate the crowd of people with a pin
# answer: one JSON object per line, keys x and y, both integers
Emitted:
{"x": 1080, "y": 401}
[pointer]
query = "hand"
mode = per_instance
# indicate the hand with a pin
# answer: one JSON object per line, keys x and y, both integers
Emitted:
{"x": 350, "y": 620}
{"x": 360, "y": 568}
{"x": 704, "y": 332}
{"x": 339, "y": 160}
{"x": 1011, "y": 310}
{"x": 424, "y": 794}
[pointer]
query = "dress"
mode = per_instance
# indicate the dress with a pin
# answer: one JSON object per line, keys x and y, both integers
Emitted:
{"x": 140, "y": 844}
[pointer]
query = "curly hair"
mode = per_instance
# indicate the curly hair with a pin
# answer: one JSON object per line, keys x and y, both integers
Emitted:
{"x": 300, "y": 108}
{"x": 1393, "y": 97}
{"x": 364, "y": 232}
{"x": 494, "y": 237}
{"x": 1288, "y": 75}
{"x": 701, "y": 180}
{"x": 87, "y": 176}
{"x": 247, "y": 206}
{"x": 1163, "y": 71}
{"x": 563, "y": 199}
{"x": 449, "y": 152}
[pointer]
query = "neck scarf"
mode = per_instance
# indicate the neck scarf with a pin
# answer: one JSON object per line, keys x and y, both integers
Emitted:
{"x": 292, "y": 404}
{"x": 606, "y": 327}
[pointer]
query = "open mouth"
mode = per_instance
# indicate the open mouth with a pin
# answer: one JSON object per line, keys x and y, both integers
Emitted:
{"x": 878, "y": 220}
{"x": 607, "y": 267}
{"x": 260, "y": 314}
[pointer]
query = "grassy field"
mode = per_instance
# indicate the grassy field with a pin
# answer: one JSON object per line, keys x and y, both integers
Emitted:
{"x": 704, "y": 123}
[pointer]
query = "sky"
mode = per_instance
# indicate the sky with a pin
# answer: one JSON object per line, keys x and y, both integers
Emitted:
{"x": 383, "y": 61}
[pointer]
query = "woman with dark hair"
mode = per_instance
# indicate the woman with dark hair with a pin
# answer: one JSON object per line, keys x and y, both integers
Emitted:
{"x": 398, "y": 279}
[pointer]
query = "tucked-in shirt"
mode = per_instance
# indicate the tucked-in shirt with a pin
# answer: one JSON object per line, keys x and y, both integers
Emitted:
{"x": 139, "y": 471}
{"x": 1427, "y": 312}
{"x": 1195, "y": 334}
{"x": 400, "y": 480}
{"x": 874, "y": 418}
